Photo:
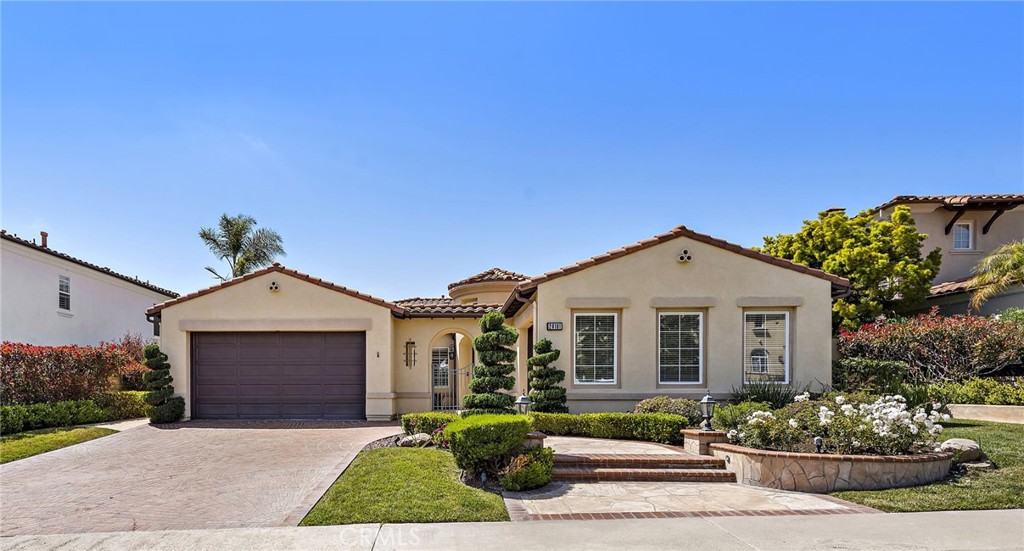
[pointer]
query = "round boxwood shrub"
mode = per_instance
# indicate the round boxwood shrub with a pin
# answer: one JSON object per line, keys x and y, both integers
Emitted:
{"x": 481, "y": 443}
{"x": 427, "y": 421}
{"x": 528, "y": 470}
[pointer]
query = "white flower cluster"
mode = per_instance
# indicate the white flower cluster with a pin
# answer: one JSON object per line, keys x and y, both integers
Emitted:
{"x": 887, "y": 417}
{"x": 760, "y": 417}
{"x": 802, "y": 397}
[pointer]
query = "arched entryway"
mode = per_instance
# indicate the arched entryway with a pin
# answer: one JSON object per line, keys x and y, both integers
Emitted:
{"x": 451, "y": 367}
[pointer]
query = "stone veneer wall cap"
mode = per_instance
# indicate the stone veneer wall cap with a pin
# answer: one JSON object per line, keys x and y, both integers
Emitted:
{"x": 916, "y": 458}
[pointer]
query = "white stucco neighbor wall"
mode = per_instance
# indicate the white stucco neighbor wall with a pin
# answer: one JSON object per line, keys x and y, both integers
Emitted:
{"x": 103, "y": 307}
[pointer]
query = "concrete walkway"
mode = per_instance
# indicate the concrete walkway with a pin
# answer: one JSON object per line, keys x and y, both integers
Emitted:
{"x": 185, "y": 476}
{"x": 955, "y": 530}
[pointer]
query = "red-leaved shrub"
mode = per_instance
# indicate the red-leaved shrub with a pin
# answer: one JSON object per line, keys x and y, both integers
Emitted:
{"x": 131, "y": 376}
{"x": 31, "y": 374}
{"x": 939, "y": 348}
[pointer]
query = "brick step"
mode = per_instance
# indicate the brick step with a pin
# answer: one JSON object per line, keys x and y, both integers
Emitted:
{"x": 599, "y": 474}
{"x": 639, "y": 461}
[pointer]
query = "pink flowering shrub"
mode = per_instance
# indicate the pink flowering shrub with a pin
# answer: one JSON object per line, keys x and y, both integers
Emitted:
{"x": 939, "y": 348}
{"x": 32, "y": 374}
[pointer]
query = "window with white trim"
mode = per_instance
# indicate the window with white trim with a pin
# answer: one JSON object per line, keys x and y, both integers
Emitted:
{"x": 963, "y": 236}
{"x": 680, "y": 339}
{"x": 439, "y": 361}
{"x": 595, "y": 348}
{"x": 766, "y": 347}
{"x": 64, "y": 293}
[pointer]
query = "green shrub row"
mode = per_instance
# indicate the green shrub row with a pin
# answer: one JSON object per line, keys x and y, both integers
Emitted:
{"x": 676, "y": 406}
{"x": 427, "y": 421}
{"x": 977, "y": 391}
{"x": 653, "y": 427}
{"x": 484, "y": 443}
{"x": 109, "y": 406}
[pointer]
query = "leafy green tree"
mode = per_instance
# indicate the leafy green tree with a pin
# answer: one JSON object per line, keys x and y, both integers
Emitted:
{"x": 245, "y": 247}
{"x": 881, "y": 258}
{"x": 545, "y": 393}
{"x": 494, "y": 372}
{"x": 1001, "y": 269}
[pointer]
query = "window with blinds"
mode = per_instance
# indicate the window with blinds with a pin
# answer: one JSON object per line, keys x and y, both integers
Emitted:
{"x": 679, "y": 347}
{"x": 64, "y": 293}
{"x": 766, "y": 347}
{"x": 595, "y": 348}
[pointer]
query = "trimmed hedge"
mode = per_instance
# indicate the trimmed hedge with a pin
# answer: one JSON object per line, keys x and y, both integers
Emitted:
{"x": 528, "y": 470}
{"x": 481, "y": 443}
{"x": 866, "y": 374}
{"x": 126, "y": 404}
{"x": 666, "y": 404}
{"x": 46, "y": 374}
{"x": 652, "y": 427}
{"x": 977, "y": 391}
{"x": 110, "y": 406}
{"x": 427, "y": 421}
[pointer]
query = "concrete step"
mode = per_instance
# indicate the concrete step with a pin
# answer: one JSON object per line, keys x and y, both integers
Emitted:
{"x": 599, "y": 474}
{"x": 640, "y": 461}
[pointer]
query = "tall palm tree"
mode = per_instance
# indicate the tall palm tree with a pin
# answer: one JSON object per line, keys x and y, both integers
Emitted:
{"x": 245, "y": 247}
{"x": 1001, "y": 269}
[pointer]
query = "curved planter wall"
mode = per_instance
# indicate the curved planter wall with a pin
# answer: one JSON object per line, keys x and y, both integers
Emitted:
{"x": 822, "y": 473}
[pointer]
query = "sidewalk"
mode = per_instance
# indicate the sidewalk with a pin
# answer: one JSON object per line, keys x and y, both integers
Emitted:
{"x": 951, "y": 530}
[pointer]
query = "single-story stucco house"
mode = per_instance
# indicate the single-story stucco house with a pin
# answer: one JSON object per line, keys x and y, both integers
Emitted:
{"x": 681, "y": 313}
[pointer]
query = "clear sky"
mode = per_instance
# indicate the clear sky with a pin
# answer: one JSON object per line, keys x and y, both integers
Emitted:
{"x": 399, "y": 147}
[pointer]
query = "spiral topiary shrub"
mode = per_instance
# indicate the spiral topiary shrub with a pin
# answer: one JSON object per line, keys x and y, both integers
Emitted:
{"x": 164, "y": 406}
{"x": 494, "y": 372}
{"x": 545, "y": 393}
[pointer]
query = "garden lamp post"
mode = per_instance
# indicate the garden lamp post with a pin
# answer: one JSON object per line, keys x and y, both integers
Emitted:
{"x": 707, "y": 410}
{"x": 523, "y": 404}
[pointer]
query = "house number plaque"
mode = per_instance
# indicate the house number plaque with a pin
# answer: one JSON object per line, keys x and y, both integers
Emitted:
{"x": 554, "y": 326}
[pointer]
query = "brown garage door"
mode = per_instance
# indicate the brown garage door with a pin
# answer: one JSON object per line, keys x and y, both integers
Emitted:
{"x": 279, "y": 375}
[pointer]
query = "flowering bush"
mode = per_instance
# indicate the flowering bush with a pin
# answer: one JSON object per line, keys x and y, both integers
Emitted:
{"x": 939, "y": 348}
{"x": 884, "y": 426}
{"x": 763, "y": 430}
{"x": 32, "y": 374}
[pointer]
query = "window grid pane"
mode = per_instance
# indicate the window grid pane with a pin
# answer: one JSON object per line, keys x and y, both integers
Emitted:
{"x": 64, "y": 292}
{"x": 439, "y": 363}
{"x": 962, "y": 236}
{"x": 679, "y": 348}
{"x": 595, "y": 348}
{"x": 765, "y": 354}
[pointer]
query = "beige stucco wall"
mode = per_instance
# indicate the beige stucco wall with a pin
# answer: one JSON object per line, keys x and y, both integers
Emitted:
{"x": 716, "y": 281}
{"x": 297, "y": 306}
{"x": 957, "y": 264}
{"x": 412, "y": 384}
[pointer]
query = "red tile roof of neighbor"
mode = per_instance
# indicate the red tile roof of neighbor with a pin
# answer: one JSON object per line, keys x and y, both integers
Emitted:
{"x": 443, "y": 307}
{"x": 839, "y": 285}
{"x": 961, "y": 285}
{"x": 102, "y": 269}
{"x": 1008, "y": 200}
{"x": 494, "y": 274}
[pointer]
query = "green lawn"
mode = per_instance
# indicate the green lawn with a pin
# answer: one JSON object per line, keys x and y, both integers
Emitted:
{"x": 26, "y": 444}
{"x": 404, "y": 485}
{"x": 1002, "y": 488}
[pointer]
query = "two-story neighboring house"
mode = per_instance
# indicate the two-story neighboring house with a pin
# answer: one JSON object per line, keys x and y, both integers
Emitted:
{"x": 51, "y": 298}
{"x": 966, "y": 228}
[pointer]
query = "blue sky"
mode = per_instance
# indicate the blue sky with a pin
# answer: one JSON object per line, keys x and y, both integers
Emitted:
{"x": 398, "y": 147}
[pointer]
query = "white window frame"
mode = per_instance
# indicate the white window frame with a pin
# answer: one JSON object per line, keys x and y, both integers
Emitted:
{"x": 970, "y": 235}
{"x": 61, "y": 279}
{"x": 615, "y": 349}
{"x": 786, "y": 356}
{"x": 700, "y": 347}
{"x": 435, "y": 368}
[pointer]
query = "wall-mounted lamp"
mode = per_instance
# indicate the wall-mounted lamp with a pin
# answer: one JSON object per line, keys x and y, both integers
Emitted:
{"x": 410, "y": 354}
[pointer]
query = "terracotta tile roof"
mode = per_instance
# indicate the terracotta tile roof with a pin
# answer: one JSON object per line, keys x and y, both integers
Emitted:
{"x": 523, "y": 290}
{"x": 102, "y": 269}
{"x": 494, "y": 274}
{"x": 956, "y": 201}
{"x": 275, "y": 267}
{"x": 443, "y": 307}
{"x": 950, "y": 287}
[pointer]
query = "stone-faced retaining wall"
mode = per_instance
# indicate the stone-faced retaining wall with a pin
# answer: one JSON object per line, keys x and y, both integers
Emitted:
{"x": 823, "y": 473}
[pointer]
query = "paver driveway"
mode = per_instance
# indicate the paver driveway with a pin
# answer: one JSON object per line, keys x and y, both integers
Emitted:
{"x": 194, "y": 475}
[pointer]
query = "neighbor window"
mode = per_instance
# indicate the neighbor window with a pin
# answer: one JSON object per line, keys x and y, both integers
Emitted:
{"x": 766, "y": 347}
{"x": 962, "y": 235}
{"x": 595, "y": 348}
{"x": 439, "y": 364}
{"x": 64, "y": 293}
{"x": 679, "y": 347}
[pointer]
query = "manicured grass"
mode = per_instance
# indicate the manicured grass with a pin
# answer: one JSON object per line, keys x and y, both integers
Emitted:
{"x": 1002, "y": 488}
{"x": 404, "y": 485}
{"x": 26, "y": 444}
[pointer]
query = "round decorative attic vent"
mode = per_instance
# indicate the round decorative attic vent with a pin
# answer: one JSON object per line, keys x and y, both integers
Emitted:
{"x": 684, "y": 256}
{"x": 274, "y": 287}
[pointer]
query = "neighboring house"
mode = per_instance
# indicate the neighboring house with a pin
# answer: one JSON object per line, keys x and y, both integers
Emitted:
{"x": 50, "y": 298}
{"x": 966, "y": 228}
{"x": 681, "y": 314}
